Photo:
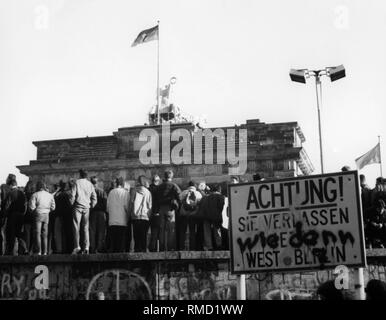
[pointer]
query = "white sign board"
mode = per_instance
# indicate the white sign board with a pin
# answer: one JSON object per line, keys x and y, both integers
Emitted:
{"x": 309, "y": 222}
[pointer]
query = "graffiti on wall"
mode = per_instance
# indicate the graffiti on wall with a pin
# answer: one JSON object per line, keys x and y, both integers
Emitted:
{"x": 118, "y": 284}
{"x": 175, "y": 280}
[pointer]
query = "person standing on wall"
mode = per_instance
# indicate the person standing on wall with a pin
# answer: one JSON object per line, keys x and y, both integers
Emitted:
{"x": 211, "y": 213}
{"x": 14, "y": 210}
{"x": 190, "y": 200}
{"x": 29, "y": 190}
{"x": 117, "y": 208}
{"x": 155, "y": 224}
{"x": 167, "y": 201}
{"x": 4, "y": 190}
{"x": 83, "y": 197}
{"x": 98, "y": 219}
{"x": 140, "y": 211}
{"x": 62, "y": 213}
{"x": 41, "y": 204}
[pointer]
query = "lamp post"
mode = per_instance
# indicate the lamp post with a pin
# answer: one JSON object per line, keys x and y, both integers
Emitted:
{"x": 300, "y": 75}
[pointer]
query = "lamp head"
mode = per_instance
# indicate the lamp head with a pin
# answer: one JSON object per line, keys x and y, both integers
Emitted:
{"x": 336, "y": 73}
{"x": 298, "y": 75}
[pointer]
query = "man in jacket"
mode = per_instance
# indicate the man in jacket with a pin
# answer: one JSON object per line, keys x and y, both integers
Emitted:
{"x": 155, "y": 224}
{"x": 211, "y": 212}
{"x": 167, "y": 202}
{"x": 14, "y": 209}
{"x": 41, "y": 204}
{"x": 83, "y": 197}
{"x": 140, "y": 210}
{"x": 4, "y": 190}
{"x": 118, "y": 212}
{"x": 63, "y": 219}
{"x": 190, "y": 199}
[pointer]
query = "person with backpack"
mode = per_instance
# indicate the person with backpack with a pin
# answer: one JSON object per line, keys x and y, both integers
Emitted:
{"x": 190, "y": 199}
{"x": 140, "y": 211}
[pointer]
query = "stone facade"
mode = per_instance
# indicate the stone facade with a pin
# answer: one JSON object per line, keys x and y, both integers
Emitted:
{"x": 273, "y": 150}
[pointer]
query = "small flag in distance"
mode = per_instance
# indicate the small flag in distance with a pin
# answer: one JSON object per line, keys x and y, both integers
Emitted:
{"x": 372, "y": 156}
{"x": 146, "y": 36}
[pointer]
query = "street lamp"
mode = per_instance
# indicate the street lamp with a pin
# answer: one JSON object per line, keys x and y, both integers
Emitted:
{"x": 300, "y": 75}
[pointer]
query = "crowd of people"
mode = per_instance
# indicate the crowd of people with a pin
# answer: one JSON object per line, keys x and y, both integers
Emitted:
{"x": 374, "y": 212}
{"x": 79, "y": 217}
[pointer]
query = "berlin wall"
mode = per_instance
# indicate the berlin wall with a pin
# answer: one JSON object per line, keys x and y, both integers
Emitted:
{"x": 160, "y": 276}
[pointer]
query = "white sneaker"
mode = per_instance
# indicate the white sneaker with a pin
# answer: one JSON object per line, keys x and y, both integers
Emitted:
{"x": 76, "y": 251}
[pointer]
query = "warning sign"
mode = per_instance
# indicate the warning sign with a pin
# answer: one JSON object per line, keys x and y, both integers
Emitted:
{"x": 299, "y": 223}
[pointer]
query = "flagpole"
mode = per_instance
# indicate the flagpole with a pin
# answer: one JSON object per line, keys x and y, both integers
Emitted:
{"x": 380, "y": 158}
{"x": 158, "y": 91}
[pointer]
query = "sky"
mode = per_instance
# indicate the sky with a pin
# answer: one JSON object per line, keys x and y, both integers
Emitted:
{"x": 67, "y": 70}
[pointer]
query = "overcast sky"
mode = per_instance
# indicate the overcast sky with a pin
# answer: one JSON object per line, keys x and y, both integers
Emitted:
{"x": 67, "y": 69}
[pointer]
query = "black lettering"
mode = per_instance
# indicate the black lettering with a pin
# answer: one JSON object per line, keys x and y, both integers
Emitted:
{"x": 344, "y": 237}
{"x": 273, "y": 241}
{"x": 275, "y": 195}
{"x": 268, "y": 259}
{"x": 326, "y": 235}
{"x": 343, "y": 215}
{"x": 296, "y": 239}
{"x": 333, "y": 216}
{"x": 332, "y": 195}
{"x": 251, "y": 259}
{"x": 316, "y": 190}
{"x": 248, "y": 243}
{"x": 289, "y": 186}
{"x": 252, "y": 198}
{"x": 322, "y": 214}
{"x": 241, "y": 222}
{"x": 314, "y": 217}
{"x": 268, "y": 203}
{"x": 307, "y": 193}
{"x": 310, "y": 238}
{"x": 298, "y": 257}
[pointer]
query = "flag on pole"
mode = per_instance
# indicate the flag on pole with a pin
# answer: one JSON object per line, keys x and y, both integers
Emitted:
{"x": 372, "y": 156}
{"x": 146, "y": 36}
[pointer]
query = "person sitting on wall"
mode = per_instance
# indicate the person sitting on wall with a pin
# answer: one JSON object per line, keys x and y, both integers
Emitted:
{"x": 119, "y": 231}
{"x": 83, "y": 197}
{"x": 41, "y": 204}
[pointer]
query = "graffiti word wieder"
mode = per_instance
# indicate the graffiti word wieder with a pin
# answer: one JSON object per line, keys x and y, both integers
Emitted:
{"x": 296, "y": 240}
